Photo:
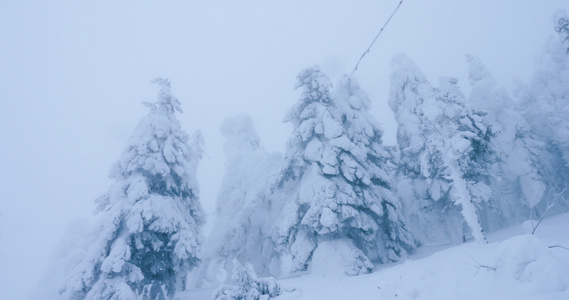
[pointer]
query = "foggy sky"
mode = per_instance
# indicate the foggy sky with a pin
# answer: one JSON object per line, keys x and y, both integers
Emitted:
{"x": 73, "y": 75}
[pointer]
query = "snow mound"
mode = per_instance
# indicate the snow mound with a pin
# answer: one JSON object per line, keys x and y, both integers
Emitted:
{"x": 527, "y": 259}
{"x": 339, "y": 257}
{"x": 247, "y": 285}
{"x": 511, "y": 266}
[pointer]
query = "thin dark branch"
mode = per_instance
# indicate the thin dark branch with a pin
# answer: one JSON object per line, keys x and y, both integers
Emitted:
{"x": 541, "y": 219}
{"x": 558, "y": 246}
{"x": 481, "y": 266}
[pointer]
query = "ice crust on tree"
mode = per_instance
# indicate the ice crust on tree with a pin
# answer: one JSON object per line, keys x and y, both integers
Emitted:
{"x": 335, "y": 183}
{"x": 146, "y": 234}
{"x": 243, "y": 216}
{"x": 445, "y": 153}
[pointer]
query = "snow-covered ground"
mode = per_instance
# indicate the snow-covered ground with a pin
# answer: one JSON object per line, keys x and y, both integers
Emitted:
{"x": 514, "y": 265}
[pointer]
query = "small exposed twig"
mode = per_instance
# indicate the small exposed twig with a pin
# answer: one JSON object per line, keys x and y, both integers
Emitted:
{"x": 558, "y": 246}
{"x": 481, "y": 266}
{"x": 541, "y": 219}
{"x": 549, "y": 206}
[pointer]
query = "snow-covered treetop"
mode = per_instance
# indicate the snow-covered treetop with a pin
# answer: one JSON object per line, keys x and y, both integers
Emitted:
{"x": 243, "y": 155}
{"x": 477, "y": 69}
{"x": 161, "y": 151}
{"x": 240, "y": 133}
{"x": 354, "y": 105}
{"x": 561, "y": 24}
{"x": 405, "y": 76}
{"x": 316, "y": 88}
{"x": 547, "y": 106}
{"x": 409, "y": 89}
{"x": 486, "y": 95}
{"x": 166, "y": 101}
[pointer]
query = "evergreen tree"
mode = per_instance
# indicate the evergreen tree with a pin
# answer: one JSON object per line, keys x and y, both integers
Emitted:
{"x": 445, "y": 151}
{"x": 147, "y": 233}
{"x": 545, "y": 106}
{"x": 242, "y": 225}
{"x": 519, "y": 182}
{"x": 335, "y": 182}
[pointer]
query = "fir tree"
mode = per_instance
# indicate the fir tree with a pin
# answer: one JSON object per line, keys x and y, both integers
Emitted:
{"x": 147, "y": 233}
{"x": 519, "y": 182}
{"x": 445, "y": 150}
{"x": 243, "y": 215}
{"x": 545, "y": 106}
{"x": 335, "y": 182}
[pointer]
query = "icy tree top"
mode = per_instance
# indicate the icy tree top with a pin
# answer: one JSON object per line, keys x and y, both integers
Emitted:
{"x": 477, "y": 70}
{"x": 316, "y": 88}
{"x": 561, "y": 24}
{"x": 160, "y": 150}
{"x": 166, "y": 101}
{"x": 240, "y": 133}
{"x": 405, "y": 77}
{"x": 316, "y": 85}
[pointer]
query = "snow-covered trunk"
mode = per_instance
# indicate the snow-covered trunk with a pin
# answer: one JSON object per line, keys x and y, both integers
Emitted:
{"x": 461, "y": 196}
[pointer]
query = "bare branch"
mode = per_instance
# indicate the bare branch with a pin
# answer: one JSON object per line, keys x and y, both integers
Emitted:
{"x": 479, "y": 266}
{"x": 558, "y": 246}
{"x": 541, "y": 219}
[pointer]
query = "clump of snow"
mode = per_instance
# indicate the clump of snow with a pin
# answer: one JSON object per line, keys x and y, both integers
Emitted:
{"x": 247, "y": 286}
{"x": 528, "y": 260}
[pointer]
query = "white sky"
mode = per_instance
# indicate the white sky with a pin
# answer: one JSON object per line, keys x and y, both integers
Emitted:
{"x": 73, "y": 74}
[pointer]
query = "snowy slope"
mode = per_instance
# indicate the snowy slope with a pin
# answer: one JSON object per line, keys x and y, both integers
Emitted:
{"x": 514, "y": 265}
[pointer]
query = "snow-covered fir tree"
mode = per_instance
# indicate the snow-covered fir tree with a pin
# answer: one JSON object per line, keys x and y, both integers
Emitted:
{"x": 519, "y": 184}
{"x": 445, "y": 154}
{"x": 147, "y": 233}
{"x": 335, "y": 184}
{"x": 545, "y": 105}
{"x": 243, "y": 217}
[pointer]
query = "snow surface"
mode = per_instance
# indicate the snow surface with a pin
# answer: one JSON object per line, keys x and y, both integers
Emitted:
{"x": 514, "y": 265}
